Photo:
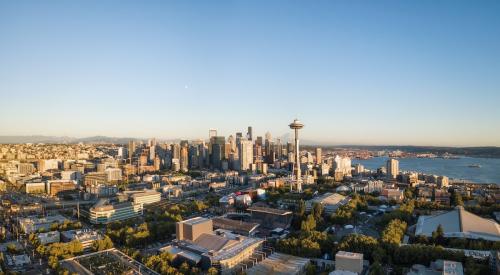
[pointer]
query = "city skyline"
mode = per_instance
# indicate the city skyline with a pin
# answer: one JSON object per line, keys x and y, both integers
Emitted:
{"x": 385, "y": 73}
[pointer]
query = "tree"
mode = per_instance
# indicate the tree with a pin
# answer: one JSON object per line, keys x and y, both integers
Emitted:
{"x": 309, "y": 224}
{"x": 301, "y": 208}
{"x": 394, "y": 232}
{"x": 184, "y": 268}
{"x": 378, "y": 254}
{"x": 212, "y": 271}
{"x": 438, "y": 235}
{"x": 358, "y": 243}
{"x": 376, "y": 269}
{"x": 53, "y": 262}
{"x": 103, "y": 244}
{"x": 456, "y": 199}
{"x": 409, "y": 193}
{"x": 310, "y": 269}
{"x": 12, "y": 249}
{"x": 317, "y": 211}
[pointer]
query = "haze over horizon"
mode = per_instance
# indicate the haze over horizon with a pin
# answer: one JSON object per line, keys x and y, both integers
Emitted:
{"x": 371, "y": 73}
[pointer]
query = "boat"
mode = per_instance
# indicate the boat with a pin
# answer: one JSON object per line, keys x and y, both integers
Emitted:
{"x": 474, "y": 166}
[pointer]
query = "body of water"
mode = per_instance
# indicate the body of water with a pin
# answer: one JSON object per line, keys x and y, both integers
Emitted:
{"x": 489, "y": 172}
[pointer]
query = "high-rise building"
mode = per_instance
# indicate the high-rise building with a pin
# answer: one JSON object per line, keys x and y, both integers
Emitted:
{"x": 131, "y": 148}
{"x": 268, "y": 147}
{"x": 232, "y": 142}
{"x": 143, "y": 160}
{"x": 392, "y": 168}
{"x": 157, "y": 163}
{"x": 212, "y": 133}
{"x": 122, "y": 152}
{"x": 342, "y": 165}
{"x": 152, "y": 152}
{"x": 279, "y": 148}
{"x": 152, "y": 142}
{"x": 176, "y": 151}
{"x": 318, "y": 156}
{"x": 184, "y": 159}
{"x": 245, "y": 154}
{"x": 259, "y": 141}
{"x": 249, "y": 133}
{"x": 218, "y": 146}
{"x": 268, "y": 136}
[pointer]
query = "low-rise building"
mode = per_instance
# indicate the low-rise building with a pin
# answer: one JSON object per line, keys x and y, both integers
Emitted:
{"x": 393, "y": 194}
{"x": 106, "y": 211}
{"x": 34, "y": 187}
{"x": 270, "y": 218}
{"x": 330, "y": 202}
{"x": 237, "y": 227}
{"x": 113, "y": 174}
{"x": 439, "y": 267}
{"x": 34, "y": 224}
{"x": 17, "y": 261}
{"x": 459, "y": 223}
{"x": 442, "y": 196}
{"x": 279, "y": 263}
{"x": 146, "y": 197}
{"x": 196, "y": 241}
{"x": 85, "y": 236}
{"x": 56, "y": 186}
{"x": 49, "y": 237}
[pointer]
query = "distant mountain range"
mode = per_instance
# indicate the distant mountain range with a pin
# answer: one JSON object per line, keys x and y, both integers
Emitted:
{"x": 64, "y": 140}
{"x": 485, "y": 151}
{"x": 105, "y": 140}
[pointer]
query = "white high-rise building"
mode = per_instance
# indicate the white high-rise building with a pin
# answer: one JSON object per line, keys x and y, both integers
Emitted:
{"x": 122, "y": 152}
{"x": 342, "y": 164}
{"x": 392, "y": 168}
{"x": 318, "y": 156}
{"x": 245, "y": 154}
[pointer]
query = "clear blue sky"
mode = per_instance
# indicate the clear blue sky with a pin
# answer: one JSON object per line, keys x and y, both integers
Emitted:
{"x": 355, "y": 72}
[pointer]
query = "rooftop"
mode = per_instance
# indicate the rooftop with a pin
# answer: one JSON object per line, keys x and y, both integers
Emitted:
{"x": 229, "y": 224}
{"x": 330, "y": 198}
{"x": 459, "y": 223}
{"x": 350, "y": 255}
{"x": 195, "y": 220}
{"x": 145, "y": 193}
{"x": 269, "y": 210}
{"x": 278, "y": 263}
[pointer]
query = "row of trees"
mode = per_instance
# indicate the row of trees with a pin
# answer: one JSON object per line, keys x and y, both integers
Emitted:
{"x": 403, "y": 213}
{"x": 311, "y": 244}
{"x": 161, "y": 263}
{"x": 66, "y": 225}
{"x": 132, "y": 235}
{"x": 405, "y": 255}
{"x": 394, "y": 232}
{"x": 347, "y": 213}
{"x": 159, "y": 224}
{"x": 105, "y": 243}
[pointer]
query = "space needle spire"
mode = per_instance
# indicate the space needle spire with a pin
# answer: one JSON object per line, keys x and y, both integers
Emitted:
{"x": 296, "y": 125}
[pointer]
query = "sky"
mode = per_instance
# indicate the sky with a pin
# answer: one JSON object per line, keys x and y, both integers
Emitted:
{"x": 354, "y": 72}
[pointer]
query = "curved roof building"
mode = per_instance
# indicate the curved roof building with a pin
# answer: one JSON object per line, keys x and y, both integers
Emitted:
{"x": 459, "y": 223}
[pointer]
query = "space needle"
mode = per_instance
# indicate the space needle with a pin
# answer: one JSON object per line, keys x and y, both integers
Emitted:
{"x": 296, "y": 125}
